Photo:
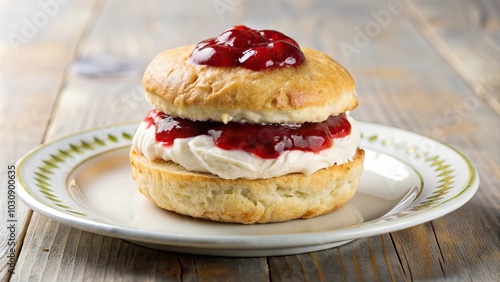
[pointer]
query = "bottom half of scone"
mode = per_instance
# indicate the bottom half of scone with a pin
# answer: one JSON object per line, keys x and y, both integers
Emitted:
{"x": 276, "y": 199}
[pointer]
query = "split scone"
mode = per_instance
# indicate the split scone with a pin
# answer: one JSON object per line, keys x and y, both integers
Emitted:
{"x": 249, "y": 128}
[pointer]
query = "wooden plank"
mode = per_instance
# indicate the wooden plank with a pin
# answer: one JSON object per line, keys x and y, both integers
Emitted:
{"x": 65, "y": 249}
{"x": 74, "y": 253}
{"x": 34, "y": 52}
{"x": 467, "y": 35}
{"x": 231, "y": 269}
{"x": 367, "y": 259}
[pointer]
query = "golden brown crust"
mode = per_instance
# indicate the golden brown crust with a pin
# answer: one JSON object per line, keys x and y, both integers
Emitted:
{"x": 313, "y": 91}
{"x": 201, "y": 195}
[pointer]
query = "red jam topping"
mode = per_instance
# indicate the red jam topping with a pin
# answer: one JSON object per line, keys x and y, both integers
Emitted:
{"x": 249, "y": 48}
{"x": 267, "y": 141}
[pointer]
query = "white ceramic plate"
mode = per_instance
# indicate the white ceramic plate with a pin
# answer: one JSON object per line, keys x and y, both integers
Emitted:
{"x": 84, "y": 180}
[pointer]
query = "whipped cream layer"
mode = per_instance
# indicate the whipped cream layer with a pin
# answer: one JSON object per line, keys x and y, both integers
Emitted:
{"x": 200, "y": 154}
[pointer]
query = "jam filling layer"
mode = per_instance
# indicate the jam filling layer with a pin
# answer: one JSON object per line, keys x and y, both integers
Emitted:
{"x": 267, "y": 141}
{"x": 248, "y": 48}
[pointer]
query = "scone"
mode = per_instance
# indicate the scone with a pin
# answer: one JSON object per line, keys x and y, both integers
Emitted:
{"x": 248, "y": 128}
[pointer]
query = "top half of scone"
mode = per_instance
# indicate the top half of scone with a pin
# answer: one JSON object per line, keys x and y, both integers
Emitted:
{"x": 309, "y": 90}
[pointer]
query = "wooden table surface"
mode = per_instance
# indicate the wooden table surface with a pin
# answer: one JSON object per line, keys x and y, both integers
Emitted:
{"x": 428, "y": 66}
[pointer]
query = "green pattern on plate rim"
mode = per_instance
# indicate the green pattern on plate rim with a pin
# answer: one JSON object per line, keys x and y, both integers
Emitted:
{"x": 443, "y": 172}
{"x": 50, "y": 166}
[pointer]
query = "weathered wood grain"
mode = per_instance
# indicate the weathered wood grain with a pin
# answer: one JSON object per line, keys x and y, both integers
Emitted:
{"x": 467, "y": 35}
{"x": 34, "y": 51}
{"x": 83, "y": 256}
{"x": 367, "y": 259}
{"x": 231, "y": 269}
